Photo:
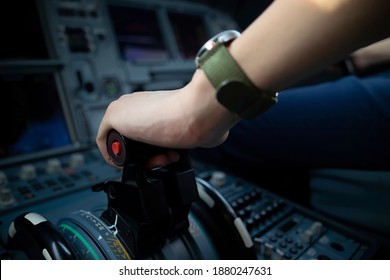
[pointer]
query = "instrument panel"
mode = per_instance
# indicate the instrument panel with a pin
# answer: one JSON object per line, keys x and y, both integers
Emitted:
{"x": 69, "y": 60}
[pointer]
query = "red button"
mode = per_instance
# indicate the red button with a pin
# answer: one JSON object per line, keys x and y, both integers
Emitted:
{"x": 116, "y": 148}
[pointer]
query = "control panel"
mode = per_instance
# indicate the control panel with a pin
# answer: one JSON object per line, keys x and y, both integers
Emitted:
{"x": 68, "y": 62}
{"x": 232, "y": 219}
{"x": 281, "y": 229}
{"x": 65, "y": 66}
{"x": 114, "y": 47}
{"x": 37, "y": 181}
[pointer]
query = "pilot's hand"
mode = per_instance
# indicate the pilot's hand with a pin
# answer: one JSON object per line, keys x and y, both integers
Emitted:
{"x": 185, "y": 118}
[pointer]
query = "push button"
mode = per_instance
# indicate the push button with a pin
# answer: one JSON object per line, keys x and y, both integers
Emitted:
{"x": 116, "y": 148}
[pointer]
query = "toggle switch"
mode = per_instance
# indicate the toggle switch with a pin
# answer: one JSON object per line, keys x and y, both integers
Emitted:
{"x": 317, "y": 228}
{"x": 3, "y": 180}
{"x": 53, "y": 165}
{"x": 28, "y": 172}
{"x": 268, "y": 249}
{"x": 76, "y": 160}
{"x": 218, "y": 179}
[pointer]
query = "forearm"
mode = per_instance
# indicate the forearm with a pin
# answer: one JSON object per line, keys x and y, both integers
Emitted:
{"x": 290, "y": 40}
{"x": 373, "y": 55}
{"x": 293, "y": 39}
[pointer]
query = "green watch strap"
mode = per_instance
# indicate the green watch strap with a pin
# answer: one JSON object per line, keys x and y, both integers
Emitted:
{"x": 224, "y": 72}
{"x": 219, "y": 66}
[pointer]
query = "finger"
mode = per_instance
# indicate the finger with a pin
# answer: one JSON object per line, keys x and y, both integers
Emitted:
{"x": 101, "y": 141}
{"x": 162, "y": 160}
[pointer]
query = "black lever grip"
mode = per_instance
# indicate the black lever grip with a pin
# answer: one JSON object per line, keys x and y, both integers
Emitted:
{"x": 157, "y": 201}
{"x": 124, "y": 151}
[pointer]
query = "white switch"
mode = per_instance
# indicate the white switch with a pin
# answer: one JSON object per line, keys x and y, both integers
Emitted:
{"x": 28, "y": 172}
{"x": 53, "y": 165}
{"x": 307, "y": 236}
{"x": 76, "y": 160}
{"x": 316, "y": 228}
{"x": 6, "y": 197}
{"x": 3, "y": 180}
{"x": 218, "y": 179}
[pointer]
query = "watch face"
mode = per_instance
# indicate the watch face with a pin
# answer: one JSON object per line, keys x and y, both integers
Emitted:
{"x": 227, "y": 36}
{"x": 234, "y": 90}
{"x": 224, "y": 37}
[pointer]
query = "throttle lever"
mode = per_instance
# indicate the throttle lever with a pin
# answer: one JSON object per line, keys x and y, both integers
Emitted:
{"x": 124, "y": 151}
{"x": 153, "y": 203}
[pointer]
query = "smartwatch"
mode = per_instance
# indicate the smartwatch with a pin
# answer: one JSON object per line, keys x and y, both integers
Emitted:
{"x": 234, "y": 90}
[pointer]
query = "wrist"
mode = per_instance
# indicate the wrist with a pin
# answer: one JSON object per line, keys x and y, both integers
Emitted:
{"x": 208, "y": 120}
{"x": 234, "y": 90}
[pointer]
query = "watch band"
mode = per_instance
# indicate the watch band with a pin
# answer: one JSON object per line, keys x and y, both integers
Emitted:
{"x": 219, "y": 65}
{"x": 221, "y": 69}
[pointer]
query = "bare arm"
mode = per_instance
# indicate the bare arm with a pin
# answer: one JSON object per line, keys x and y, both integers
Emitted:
{"x": 293, "y": 39}
{"x": 373, "y": 55}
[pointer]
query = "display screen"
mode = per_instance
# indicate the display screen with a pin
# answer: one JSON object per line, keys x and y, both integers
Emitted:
{"x": 138, "y": 34}
{"x": 31, "y": 116}
{"x": 21, "y": 32}
{"x": 190, "y": 33}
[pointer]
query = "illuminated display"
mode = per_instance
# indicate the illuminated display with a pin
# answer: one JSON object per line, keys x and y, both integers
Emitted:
{"x": 30, "y": 114}
{"x": 190, "y": 33}
{"x": 138, "y": 34}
